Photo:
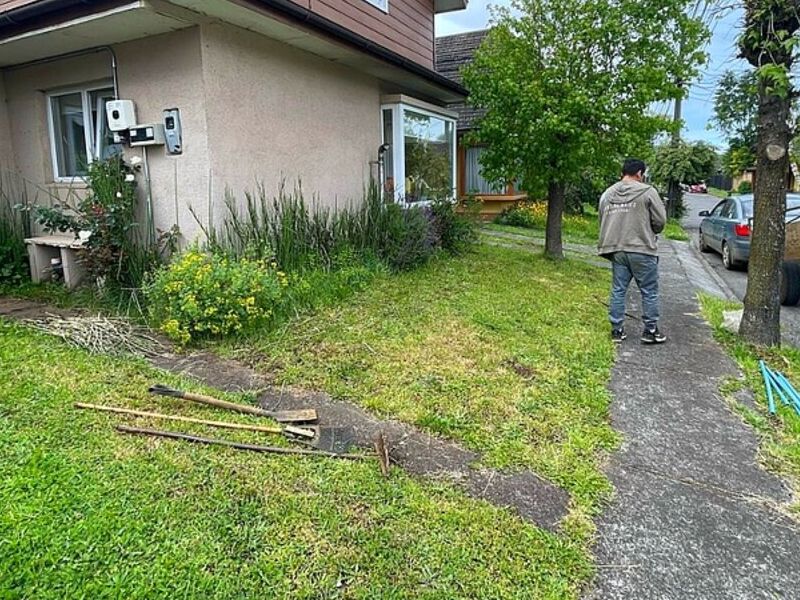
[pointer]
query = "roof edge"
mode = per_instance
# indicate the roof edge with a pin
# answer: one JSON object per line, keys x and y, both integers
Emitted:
{"x": 28, "y": 17}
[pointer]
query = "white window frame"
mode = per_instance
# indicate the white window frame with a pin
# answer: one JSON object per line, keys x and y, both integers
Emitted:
{"x": 91, "y": 131}
{"x": 399, "y": 148}
{"x": 380, "y": 4}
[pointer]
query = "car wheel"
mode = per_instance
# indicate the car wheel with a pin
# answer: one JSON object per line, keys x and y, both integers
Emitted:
{"x": 790, "y": 283}
{"x": 701, "y": 240}
{"x": 727, "y": 257}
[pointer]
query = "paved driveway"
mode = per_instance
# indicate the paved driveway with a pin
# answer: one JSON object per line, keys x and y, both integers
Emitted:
{"x": 736, "y": 280}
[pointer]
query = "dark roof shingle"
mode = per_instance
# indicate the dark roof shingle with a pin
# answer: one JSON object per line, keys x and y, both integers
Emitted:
{"x": 452, "y": 53}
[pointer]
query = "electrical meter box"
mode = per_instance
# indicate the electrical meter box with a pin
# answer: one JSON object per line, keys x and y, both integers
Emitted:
{"x": 146, "y": 135}
{"x": 172, "y": 130}
{"x": 121, "y": 114}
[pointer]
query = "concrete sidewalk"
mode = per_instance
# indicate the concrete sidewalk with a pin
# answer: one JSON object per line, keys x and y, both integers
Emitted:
{"x": 695, "y": 515}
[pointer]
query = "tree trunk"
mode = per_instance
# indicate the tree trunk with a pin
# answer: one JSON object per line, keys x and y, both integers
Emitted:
{"x": 553, "y": 246}
{"x": 761, "y": 321}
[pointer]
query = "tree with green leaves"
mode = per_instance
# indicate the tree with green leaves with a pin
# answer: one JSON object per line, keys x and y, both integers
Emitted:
{"x": 770, "y": 43}
{"x": 567, "y": 86}
{"x": 736, "y": 108}
{"x": 683, "y": 162}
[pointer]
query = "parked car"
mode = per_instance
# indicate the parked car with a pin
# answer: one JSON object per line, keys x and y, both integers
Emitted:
{"x": 727, "y": 227}
{"x": 698, "y": 188}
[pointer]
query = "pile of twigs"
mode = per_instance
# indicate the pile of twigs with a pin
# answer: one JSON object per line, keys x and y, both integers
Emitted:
{"x": 100, "y": 335}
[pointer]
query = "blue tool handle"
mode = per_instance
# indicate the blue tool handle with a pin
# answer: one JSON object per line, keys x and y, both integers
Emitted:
{"x": 768, "y": 385}
{"x": 795, "y": 397}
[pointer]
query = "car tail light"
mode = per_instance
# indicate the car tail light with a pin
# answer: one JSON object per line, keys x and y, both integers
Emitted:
{"x": 742, "y": 229}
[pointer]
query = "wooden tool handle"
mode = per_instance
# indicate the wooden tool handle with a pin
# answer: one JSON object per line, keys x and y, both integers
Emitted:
{"x": 221, "y": 424}
{"x": 242, "y": 408}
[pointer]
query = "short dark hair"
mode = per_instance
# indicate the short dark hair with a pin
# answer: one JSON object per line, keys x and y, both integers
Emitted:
{"x": 632, "y": 166}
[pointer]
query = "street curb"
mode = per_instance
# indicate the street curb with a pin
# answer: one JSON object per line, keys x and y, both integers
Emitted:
{"x": 723, "y": 286}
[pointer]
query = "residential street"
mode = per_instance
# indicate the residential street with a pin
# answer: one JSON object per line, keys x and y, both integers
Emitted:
{"x": 735, "y": 280}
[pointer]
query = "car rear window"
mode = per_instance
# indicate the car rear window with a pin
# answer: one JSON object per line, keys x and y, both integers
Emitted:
{"x": 792, "y": 204}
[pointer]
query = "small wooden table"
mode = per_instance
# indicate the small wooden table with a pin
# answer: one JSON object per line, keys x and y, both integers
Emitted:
{"x": 42, "y": 249}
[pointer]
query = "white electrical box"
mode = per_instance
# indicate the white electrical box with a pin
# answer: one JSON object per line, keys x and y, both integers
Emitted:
{"x": 147, "y": 135}
{"x": 121, "y": 114}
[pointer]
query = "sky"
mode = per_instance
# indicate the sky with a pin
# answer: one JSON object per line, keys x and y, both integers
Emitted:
{"x": 697, "y": 108}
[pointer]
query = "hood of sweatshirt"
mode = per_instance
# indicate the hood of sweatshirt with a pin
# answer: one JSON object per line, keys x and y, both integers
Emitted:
{"x": 627, "y": 191}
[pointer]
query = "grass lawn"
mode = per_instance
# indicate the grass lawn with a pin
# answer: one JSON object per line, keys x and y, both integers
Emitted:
{"x": 780, "y": 435}
{"x": 585, "y": 229}
{"x": 504, "y": 351}
{"x": 717, "y": 192}
{"x": 88, "y": 513}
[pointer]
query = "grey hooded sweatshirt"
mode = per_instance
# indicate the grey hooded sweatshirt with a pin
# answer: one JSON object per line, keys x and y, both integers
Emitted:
{"x": 631, "y": 214}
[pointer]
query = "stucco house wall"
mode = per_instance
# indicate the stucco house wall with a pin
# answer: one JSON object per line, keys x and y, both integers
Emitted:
{"x": 275, "y": 112}
{"x": 6, "y": 154}
{"x": 163, "y": 72}
{"x": 153, "y": 83}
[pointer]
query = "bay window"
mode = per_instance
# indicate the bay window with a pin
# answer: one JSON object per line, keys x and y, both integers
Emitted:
{"x": 420, "y": 165}
{"x": 79, "y": 131}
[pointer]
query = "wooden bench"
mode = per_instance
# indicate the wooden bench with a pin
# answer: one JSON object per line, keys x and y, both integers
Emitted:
{"x": 43, "y": 249}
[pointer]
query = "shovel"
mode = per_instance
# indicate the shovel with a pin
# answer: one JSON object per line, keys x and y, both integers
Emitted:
{"x": 302, "y": 432}
{"x": 282, "y": 416}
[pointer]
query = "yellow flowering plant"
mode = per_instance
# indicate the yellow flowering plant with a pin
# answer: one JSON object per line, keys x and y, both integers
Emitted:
{"x": 208, "y": 295}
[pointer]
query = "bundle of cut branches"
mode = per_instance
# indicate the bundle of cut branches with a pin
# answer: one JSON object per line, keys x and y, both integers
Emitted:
{"x": 101, "y": 335}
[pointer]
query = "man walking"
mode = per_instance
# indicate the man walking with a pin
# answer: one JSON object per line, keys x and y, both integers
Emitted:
{"x": 631, "y": 214}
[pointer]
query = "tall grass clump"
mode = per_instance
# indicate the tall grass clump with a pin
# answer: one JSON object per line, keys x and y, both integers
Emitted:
{"x": 14, "y": 228}
{"x": 299, "y": 236}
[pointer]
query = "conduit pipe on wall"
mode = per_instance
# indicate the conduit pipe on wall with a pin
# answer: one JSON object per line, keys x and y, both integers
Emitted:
{"x": 67, "y": 55}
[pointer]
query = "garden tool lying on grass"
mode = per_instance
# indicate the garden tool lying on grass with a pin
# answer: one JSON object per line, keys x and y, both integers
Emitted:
{"x": 337, "y": 440}
{"x": 282, "y": 416}
{"x": 240, "y": 446}
{"x": 288, "y": 430}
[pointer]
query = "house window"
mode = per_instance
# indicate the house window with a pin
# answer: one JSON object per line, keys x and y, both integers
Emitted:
{"x": 422, "y": 154}
{"x": 382, "y": 4}
{"x": 474, "y": 181}
{"x": 79, "y": 131}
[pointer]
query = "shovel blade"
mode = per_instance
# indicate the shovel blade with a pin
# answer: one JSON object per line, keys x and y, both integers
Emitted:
{"x": 293, "y": 416}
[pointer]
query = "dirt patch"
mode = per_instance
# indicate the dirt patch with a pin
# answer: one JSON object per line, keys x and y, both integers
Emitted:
{"x": 533, "y": 498}
{"x": 19, "y": 309}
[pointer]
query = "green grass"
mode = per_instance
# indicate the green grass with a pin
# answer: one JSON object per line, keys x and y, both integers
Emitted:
{"x": 88, "y": 513}
{"x": 780, "y": 435}
{"x": 505, "y": 352}
{"x": 717, "y": 192}
{"x": 584, "y": 229}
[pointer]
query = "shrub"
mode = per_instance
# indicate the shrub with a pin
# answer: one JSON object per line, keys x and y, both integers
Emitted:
{"x": 454, "y": 225}
{"x": 745, "y": 187}
{"x": 531, "y": 215}
{"x": 203, "y": 294}
{"x": 14, "y": 228}
{"x": 114, "y": 250}
{"x": 302, "y": 238}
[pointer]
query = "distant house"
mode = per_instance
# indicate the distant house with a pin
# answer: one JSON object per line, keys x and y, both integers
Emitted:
{"x": 331, "y": 92}
{"x": 453, "y": 52}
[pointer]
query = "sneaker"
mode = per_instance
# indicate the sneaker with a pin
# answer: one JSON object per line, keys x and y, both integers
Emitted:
{"x": 653, "y": 336}
{"x": 617, "y": 335}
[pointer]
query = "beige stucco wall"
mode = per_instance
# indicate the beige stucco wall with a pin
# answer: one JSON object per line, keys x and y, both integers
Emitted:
{"x": 156, "y": 73}
{"x": 7, "y": 161}
{"x": 26, "y": 90}
{"x": 277, "y": 112}
{"x": 162, "y": 72}
{"x": 252, "y": 110}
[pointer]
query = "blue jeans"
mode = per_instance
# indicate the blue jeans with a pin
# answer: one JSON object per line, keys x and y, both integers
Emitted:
{"x": 644, "y": 269}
